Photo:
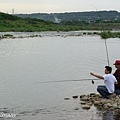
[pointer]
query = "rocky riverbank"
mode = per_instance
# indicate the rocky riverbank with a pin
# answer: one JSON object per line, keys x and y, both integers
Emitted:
{"x": 113, "y": 103}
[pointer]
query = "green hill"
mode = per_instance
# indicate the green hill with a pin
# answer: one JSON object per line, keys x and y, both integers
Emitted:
{"x": 9, "y": 23}
{"x": 14, "y": 23}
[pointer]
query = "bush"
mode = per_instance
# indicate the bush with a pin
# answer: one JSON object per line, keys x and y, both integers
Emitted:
{"x": 8, "y": 35}
{"x": 106, "y": 35}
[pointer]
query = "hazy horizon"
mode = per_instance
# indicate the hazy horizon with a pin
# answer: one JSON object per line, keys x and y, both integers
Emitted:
{"x": 60, "y": 12}
{"x": 55, "y": 6}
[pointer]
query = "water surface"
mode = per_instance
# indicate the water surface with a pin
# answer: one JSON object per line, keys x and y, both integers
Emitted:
{"x": 36, "y": 75}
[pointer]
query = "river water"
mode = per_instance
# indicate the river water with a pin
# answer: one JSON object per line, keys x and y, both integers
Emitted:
{"x": 36, "y": 74}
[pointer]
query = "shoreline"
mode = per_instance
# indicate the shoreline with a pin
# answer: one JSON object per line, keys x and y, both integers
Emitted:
{"x": 102, "y": 34}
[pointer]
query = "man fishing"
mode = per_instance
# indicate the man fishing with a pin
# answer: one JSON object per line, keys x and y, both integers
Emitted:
{"x": 117, "y": 75}
{"x": 109, "y": 81}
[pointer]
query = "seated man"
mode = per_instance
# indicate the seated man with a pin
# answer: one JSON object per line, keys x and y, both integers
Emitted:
{"x": 109, "y": 81}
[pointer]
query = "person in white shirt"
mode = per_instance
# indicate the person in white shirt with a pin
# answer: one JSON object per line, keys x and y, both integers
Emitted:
{"x": 109, "y": 81}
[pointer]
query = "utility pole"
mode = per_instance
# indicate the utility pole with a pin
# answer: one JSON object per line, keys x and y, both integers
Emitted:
{"x": 13, "y": 11}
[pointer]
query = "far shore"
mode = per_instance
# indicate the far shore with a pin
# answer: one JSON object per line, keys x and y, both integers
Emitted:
{"x": 103, "y": 34}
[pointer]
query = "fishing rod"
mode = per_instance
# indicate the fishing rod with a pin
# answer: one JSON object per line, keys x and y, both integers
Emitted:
{"x": 107, "y": 55}
{"x": 87, "y": 79}
{"x": 107, "y": 52}
{"x": 106, "y": 48}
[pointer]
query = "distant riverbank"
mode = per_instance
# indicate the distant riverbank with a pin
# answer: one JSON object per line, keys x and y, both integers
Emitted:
{"x": 104, "y": 34}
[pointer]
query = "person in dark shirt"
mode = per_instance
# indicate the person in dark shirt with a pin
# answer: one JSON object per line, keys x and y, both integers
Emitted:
{"x": 117, "y": 75}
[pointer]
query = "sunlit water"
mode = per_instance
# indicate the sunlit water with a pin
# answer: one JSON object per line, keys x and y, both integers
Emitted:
{"x": 36, "y": 74}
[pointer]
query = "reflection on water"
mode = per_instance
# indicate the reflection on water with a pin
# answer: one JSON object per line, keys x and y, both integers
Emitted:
{"x": 29, "y": 65}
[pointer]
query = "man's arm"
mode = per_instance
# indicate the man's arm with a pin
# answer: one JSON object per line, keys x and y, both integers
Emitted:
{"x": 98, "y": 76}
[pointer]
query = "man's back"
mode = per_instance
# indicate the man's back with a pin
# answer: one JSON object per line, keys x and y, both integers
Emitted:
{"x": 109, "y": 81}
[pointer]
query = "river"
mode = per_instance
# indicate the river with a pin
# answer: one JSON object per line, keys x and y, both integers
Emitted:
{"x": 37, "y": 73}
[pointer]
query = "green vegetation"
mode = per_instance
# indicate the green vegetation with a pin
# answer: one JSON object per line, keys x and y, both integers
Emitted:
{"x": 8, "y": 35}
{"x": 106, "y": 35}
{"x": 12, "y": 23}
{"x": 16, "y": 24}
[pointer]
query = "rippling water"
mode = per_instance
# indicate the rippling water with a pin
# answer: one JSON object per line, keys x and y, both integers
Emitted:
{"x": 36, "y": 75}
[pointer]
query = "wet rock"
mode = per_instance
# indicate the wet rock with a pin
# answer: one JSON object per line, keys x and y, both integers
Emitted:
{"x": 83, "y": 102}
{"x": 105, "y": 107}
{"x": 89, "y": 103}
{"x": 66, "y": 98}
{"x": 108, "y": 105}
{"x": 76, "y": 108}
{"x": 84, "y": 98}
{"x": 86, "y": 106}
{"x": 81, "y": 96}
{"x": 76, "y": 96}
{"x": 97, "y": 102}
{"x": 104, "y": 101}
{"x": 112, "y": 96}
{"x": 92, "y": 94}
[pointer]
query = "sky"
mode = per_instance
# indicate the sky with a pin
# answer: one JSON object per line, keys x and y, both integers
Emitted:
{"x": 57, "y": 6}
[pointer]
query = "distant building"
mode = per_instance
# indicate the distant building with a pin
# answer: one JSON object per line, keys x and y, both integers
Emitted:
{"x": 57, "y": 20}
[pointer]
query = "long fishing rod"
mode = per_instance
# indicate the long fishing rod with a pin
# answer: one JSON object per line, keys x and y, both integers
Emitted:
{"x": 107, "y": 52}
{"x": 106, "y": 48}
{"x": 107, "y": 55}
{"x": 87, "y": 79}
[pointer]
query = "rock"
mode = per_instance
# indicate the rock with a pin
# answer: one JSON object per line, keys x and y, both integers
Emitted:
{"x": 105, "y": 106}
{"x": 98, "y": 96}
{"x": 83, "y": 102}
{"x": 115, "y": 106}
{"x": 103, "y": 101}
{"x": 108, "y": 105}
{"x": 84, "y": 98}
{"x": 76, "y": 108}
{"x": 112, "y": 95}
{"x": 97, "y": 102}
{"x": 81, "y": 96}
{"x": 86, "y": 106}
{"x": 66, "y": 98}
{"x": 92, "y": 94}
{"x": 76, "y": 96}
{"x": 89, "y": 103}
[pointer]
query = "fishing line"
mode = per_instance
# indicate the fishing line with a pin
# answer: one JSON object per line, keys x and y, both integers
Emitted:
{"x": 106, "y": 48}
